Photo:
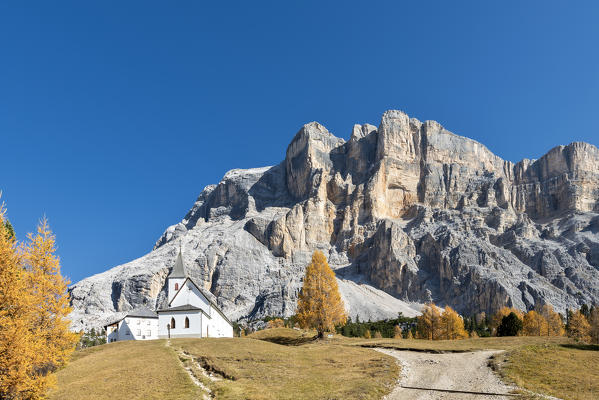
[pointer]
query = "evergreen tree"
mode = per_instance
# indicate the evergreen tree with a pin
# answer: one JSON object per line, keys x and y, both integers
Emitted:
{"x": 584, "y": 310}
{"x": 9, "y": 229}
{"x": 320, "y": 306}
{"x": 594, "y": 325}
{"x": 497, "y": 318}
{"x": 510, "y": 325}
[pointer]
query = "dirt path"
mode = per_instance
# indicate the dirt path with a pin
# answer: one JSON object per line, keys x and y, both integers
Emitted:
{"x": 453, "y": 375}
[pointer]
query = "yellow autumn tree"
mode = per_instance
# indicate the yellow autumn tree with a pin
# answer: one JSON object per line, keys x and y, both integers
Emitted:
{"x": 533, "y": 324}
{"x": 275, "y": 323}
{"x": 409, "y": 335}
{"x": 34, "y": 335}
{"x": 452, "y": 325}
{"x": 319, "y": 305}
{"x": 498, "y": 316}
{"x": 50, "y": 303}
{"x": 367, "y": 334}
{"x": 555, "y": 326}
{"x": 578, "y": 327}
{"x": 428, "y": 324}
{"x": 397, "y": 332}
{"x": 17, "y": 350}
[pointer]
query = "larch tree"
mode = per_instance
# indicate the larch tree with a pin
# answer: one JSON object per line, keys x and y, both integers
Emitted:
{"x": 17, "y": 349}
{"x": 51, "y": 301}
{"x": 275, "y": 323}
{"x": 452, "y": 325}
{"x": 397, "y": 332}
{"x": 319, "y": 305}
{"x": 578, "y": 327}
{"x": 555, "y": 326}
{"x": 428, "y": 324}
{"x": 34, "y": 335}
{"x": 533, "y": 324}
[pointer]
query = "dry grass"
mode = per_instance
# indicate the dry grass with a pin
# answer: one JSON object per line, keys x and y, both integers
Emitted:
{"x": 567, "y": 371}
{"x": 289, "y": 364}
{"x": 260, "y": 369}
{"x": 131, "y": 370}
{"x": 491, "y": 343}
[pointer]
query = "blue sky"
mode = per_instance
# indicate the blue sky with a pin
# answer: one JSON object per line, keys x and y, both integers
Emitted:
{"x": 115, "y": 115}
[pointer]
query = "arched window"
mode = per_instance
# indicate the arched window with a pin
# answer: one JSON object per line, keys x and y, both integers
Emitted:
{"x": 172, "y": 323}
{"x": 176, "y": 286}
{"x": 186, "y": 322}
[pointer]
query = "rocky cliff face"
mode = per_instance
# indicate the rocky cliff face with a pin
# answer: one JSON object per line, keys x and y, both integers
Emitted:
{"x": 407, "y": 213}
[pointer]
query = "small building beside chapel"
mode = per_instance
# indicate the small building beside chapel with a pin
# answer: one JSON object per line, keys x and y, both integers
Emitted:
{"x": 139, "y": 324}
{"x": 189, "y": 311}
{"x": 189, "y": 314}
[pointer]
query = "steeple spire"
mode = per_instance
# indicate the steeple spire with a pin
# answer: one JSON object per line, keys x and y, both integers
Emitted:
{"x": 178, "y": 270}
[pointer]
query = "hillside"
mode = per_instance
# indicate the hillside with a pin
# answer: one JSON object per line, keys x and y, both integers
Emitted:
{"x": 289, "y": 364}
{"x": 241, "y": 369}
{"x": 407, "y": 213}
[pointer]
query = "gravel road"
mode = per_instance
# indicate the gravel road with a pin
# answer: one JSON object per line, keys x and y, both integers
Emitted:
{"x": 456, "y": 373}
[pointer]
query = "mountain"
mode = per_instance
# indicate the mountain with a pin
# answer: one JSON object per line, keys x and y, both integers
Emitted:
{"x": 407, "y": 213}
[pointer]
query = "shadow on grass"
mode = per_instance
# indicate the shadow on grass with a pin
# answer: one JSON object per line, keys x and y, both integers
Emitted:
{"x": 290, "y": 341}
{"x": 581, "y": 346}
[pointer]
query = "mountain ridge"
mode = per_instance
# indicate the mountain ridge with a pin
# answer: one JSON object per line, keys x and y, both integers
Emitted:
{"x": 406, "y": 210}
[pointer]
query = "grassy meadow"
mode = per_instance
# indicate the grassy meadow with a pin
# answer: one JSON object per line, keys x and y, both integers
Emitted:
{"x": 283, "y": 363}
{"x": 567, "y": 371}
{"x": 132, "y": 370}
{"x": 260, "y": 369}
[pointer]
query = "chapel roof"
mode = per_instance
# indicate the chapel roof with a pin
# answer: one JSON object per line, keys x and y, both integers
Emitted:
{"x": 178, "y": 270}
{"x": 185, "y": 307}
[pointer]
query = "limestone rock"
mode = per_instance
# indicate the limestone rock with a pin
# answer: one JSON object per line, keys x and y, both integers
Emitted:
{"x": 407, "y": 213}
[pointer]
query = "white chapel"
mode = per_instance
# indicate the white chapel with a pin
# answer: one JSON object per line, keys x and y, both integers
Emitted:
{"x": 190, "y": 312}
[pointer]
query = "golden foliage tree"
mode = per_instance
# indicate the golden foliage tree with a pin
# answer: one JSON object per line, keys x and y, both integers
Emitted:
{"x": 533, "y": 324}
{"x": 428, "y": 324}
{"x": 34, "y": 335}
{"x": 320, "y": 306}
{"x": 452, "y": 325}
{"x": 275, "y": 323}
{"x": 397, "y": 332}
{"x": 367, "y": 334}
{"x": 578, "y": 327}
{"x": 409, "y": 335}
{"x": 17, "y": 375}
{"x": 498, "y": 316}
{"x": 555, "y": 326}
